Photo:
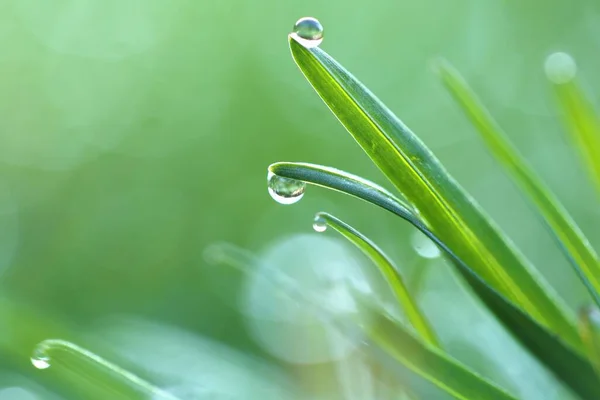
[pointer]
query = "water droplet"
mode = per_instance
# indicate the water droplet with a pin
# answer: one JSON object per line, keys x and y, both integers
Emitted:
{"x": 424, "y": 246}
{"x": 285, "y": 190}
{"x": 40, "y": 360}
{"x": 320, "y": 224}
{"x": 308, "y": 32}
{"x": 560, "y": 68}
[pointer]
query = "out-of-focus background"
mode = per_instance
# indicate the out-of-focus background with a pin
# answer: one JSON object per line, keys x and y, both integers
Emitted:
{"x": 134, "y": 134}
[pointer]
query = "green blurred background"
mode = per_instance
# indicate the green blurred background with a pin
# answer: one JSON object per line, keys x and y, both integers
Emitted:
{"x": 135, "y": 133}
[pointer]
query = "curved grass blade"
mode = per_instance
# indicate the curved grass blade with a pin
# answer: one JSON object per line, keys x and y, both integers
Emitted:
{"x": 589, "y": 329}
{"x": 390, "y": 273}
{"x": 440, "y": 201}
{"x": 580, "y": 118}
{"x": 343, "y": 182}
{"x": 565, "y": 360}
{"x": 392, "y": 343}
{"x": 46, "y": 352}
{"x": 574, "y": 243}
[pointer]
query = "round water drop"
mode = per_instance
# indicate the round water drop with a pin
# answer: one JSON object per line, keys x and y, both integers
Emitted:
{"x": 308, "y": 32}
{"x": 319, "y": 224}
{"x": 560, "y": 68}
{"x": 40, "y": 361}
{"x": 424, "y": 246}
{"x": 285, "y": 190}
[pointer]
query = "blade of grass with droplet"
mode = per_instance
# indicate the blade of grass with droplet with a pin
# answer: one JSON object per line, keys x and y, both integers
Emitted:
{"x": 341, "y": 181}
{"x": 567, "y": 362}
{"x": 50, "y": 350}
{"x": 582, "y": 123}
{"x": 390, "y": 273}
{"x": 440, "y": 201}
{"x": 576, "y": 246}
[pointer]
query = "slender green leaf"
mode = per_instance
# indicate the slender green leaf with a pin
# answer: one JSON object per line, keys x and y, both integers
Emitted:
{"x": 389, "y": 272}
{"x": 576, "y": 246}
{"x": 589, "y": 329}
{"x": 389, "y": 339}
{"x": 343, "y": 182}
{"x": 581, "y": 120}
{"x": 567, "y": 362}
{"x": 440, "y": 201}
{"x": 51, "y": 350}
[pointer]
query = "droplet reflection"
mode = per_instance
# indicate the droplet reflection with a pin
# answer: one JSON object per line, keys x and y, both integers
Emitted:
{"x": 319, "y": 224}
{"x": 424, "y": 246}
{"x": 285, "y": 190}
{"x": 308, "y": 32}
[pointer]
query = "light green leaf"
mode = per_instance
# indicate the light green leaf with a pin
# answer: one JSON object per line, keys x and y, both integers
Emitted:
{"x": 573, "y": 242}
{"x": 390, "y": 273}
{"x": 441, "y": 202}
{"x": 50, "y": 351}
{"x": 581, "y": 120}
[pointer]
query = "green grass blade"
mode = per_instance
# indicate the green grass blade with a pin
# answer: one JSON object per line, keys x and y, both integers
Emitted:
{"x": 440, "y": 201}
{"x": 50, "y": 350}
{"x": 388, "y": 341}
{"x": 390, "y": 273}
{"x": 578, "y": 249}
{"x": 565, "y": 360}
{"x": 341, "y": 181}
{"x": 589, "y": 329}
{"x": 580, "y": 118}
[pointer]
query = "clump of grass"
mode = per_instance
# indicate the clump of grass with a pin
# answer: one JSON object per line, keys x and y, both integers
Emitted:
{"x": 479, "y": 251}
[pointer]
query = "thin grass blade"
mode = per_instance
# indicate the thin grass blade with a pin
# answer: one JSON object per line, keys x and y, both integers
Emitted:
{"x": 571, "y": 239}
{"x": 440, "y": 201}
{"x": 50, "y": 350}
{"x": 342, "y": 181}
{"x": 389, "y": 271}
{"x": 580, "y": 118}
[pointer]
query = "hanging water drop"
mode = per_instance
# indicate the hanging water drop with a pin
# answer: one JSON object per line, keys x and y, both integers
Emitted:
{"x": 285, "y": 190}
{"x": 424, "y": 246}
{"x": 319, "y": 224}
{"x": 40, "y": 360}
{"x": 308, "y": 32}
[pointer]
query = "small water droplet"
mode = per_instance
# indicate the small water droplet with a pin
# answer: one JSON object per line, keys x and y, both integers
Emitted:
{"x": 285, "y": 190}
{"x": 308, "y": 32}
{"x": 40, "y": 361}
{"x": 424, "y": 246}
{"x": 320, "y": 224}
{"x": 560, "y": 68}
